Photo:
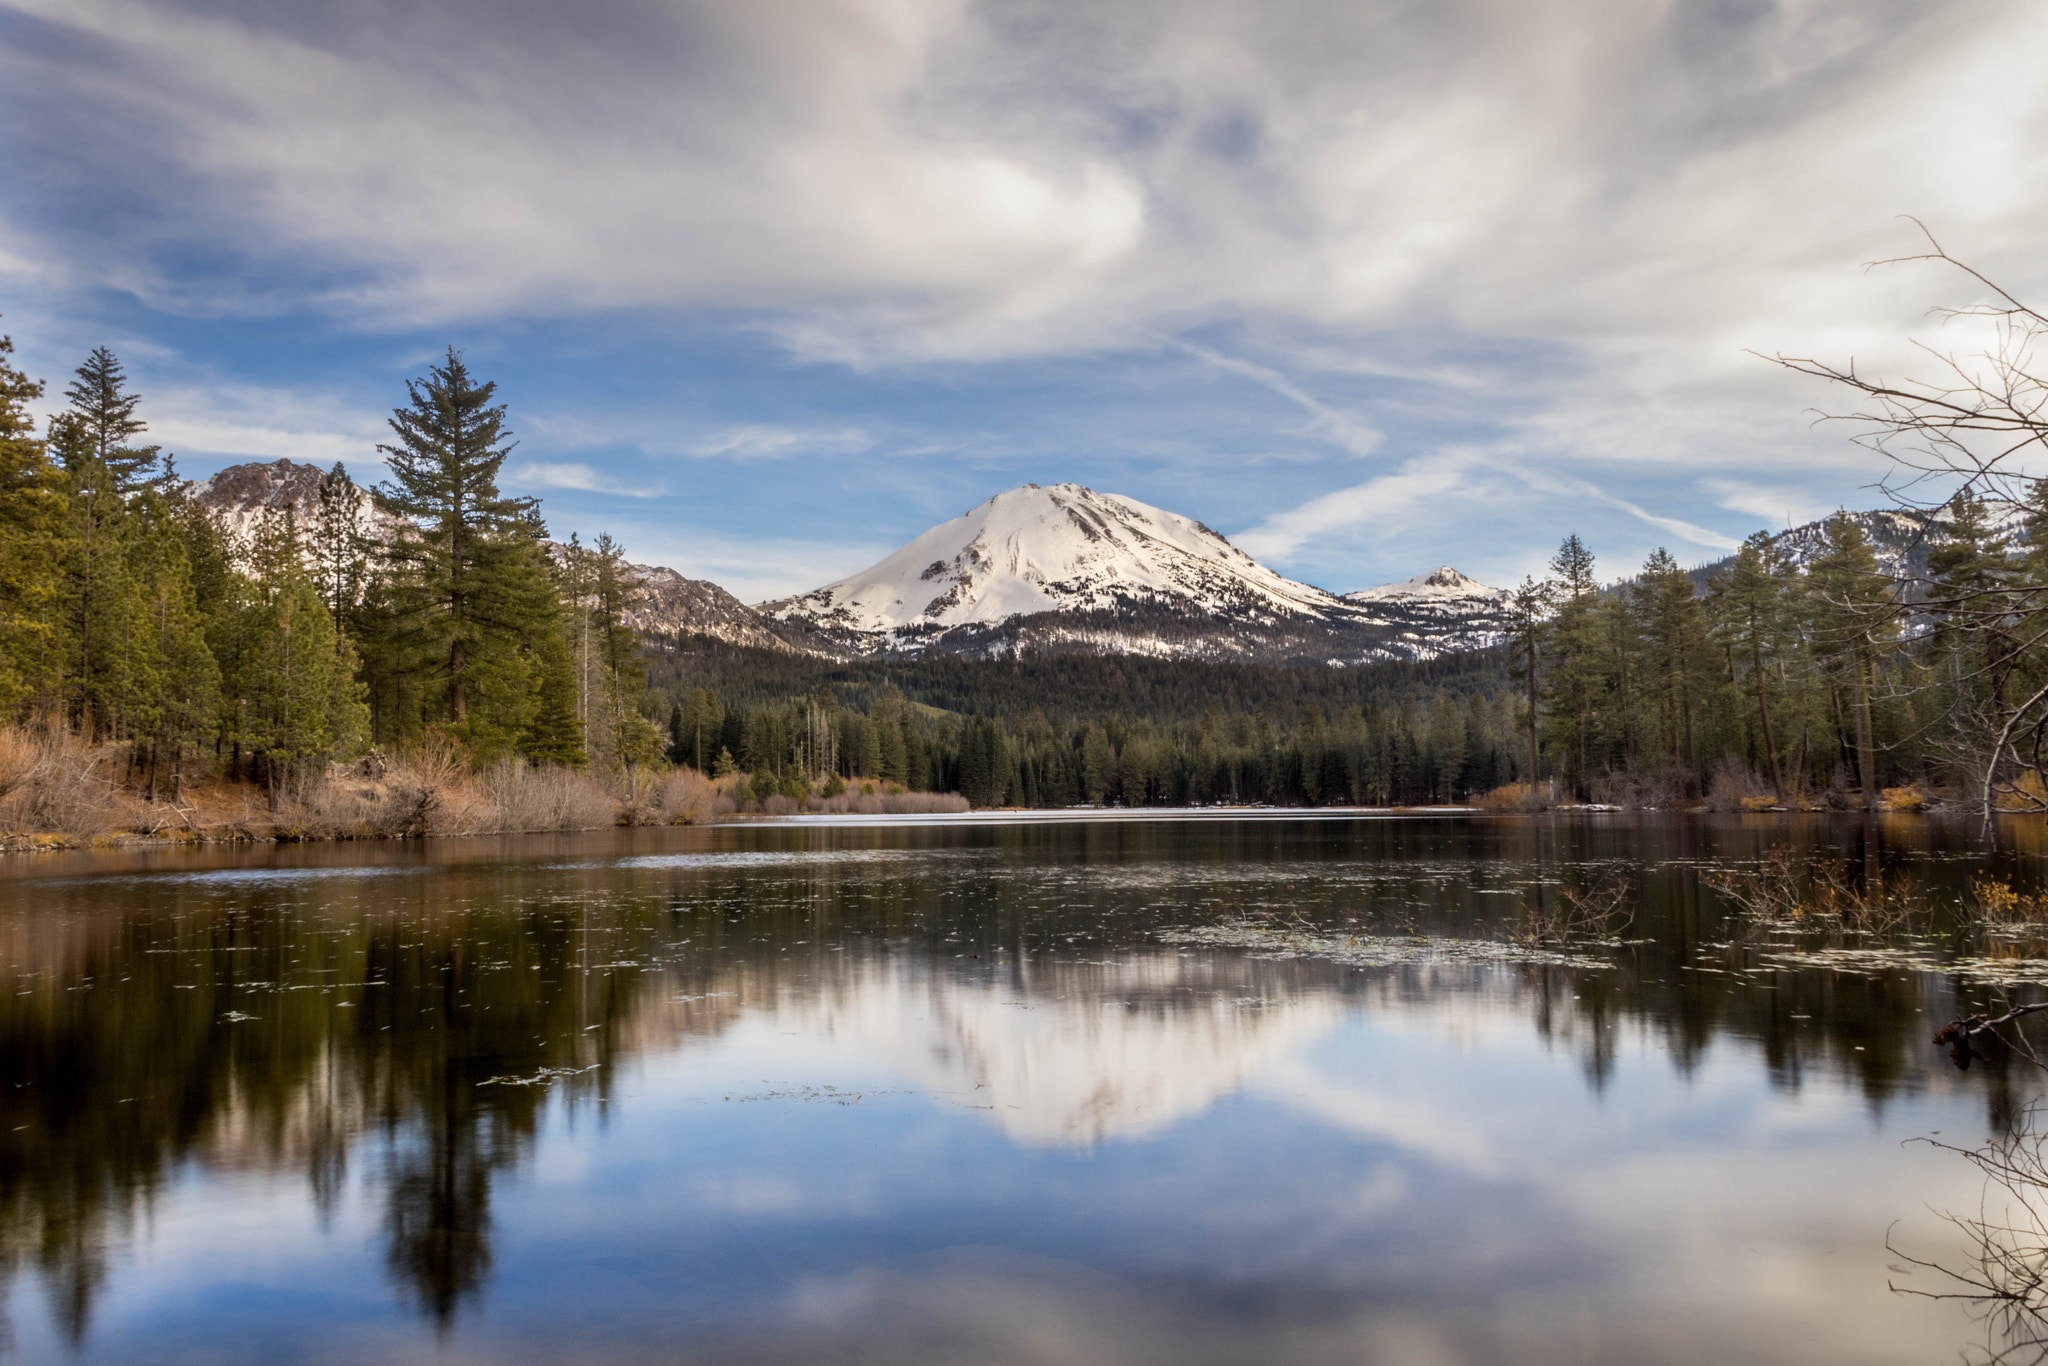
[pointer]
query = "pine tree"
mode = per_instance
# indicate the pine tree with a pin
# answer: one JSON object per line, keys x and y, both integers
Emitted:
{"x": 105, "y": 413}
{"x": 32, "y": 548}
{"x": 1750, "y": 602}
{"x": 1529, "y": 609}
{"x": 173, "y": 674}
{"x": 341, "y": 546}
{"x": 1675, "y": 636}
{"x": 97, "y": 598}
{"x": 294, "y": 695}
{"x": 1573, "y": 633}
{"x": 1851, "y": 599}
{"x": 457, "y": 598}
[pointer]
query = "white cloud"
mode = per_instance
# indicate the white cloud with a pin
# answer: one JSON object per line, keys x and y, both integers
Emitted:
{"x": 1636, "y": 192}
{"x": 1779, "y": 505}
{"x": 252, "y": 422}
{"x": 766, "y": 441}
{"x": 1433, "y": 481}
{"x": 1339, "y": 427}
{"x": 570, "y": 474}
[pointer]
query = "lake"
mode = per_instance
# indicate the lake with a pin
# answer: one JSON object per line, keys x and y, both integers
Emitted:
{"x": 980, "y": 1091}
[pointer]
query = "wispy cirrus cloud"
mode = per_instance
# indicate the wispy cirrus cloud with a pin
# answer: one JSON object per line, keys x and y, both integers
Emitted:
{"x": 1545, "y": 233}
{"x": 767, "y": 441}
{"x": 572, "y": 475}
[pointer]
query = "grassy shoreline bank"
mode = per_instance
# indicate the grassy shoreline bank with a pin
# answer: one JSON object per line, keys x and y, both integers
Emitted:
{"x": 58, "y": 791}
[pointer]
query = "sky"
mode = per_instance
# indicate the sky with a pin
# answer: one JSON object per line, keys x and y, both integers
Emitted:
{"x": 771, "y": 286}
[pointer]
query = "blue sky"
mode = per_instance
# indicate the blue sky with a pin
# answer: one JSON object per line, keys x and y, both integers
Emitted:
{"x": 772, "y": 286}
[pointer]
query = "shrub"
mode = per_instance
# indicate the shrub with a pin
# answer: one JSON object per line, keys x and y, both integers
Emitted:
{"x": 1519, "y": 797}
{"x": 1907, "y": 798}
{"x": 687, "y": 797}
{"x": 54, "y": 780}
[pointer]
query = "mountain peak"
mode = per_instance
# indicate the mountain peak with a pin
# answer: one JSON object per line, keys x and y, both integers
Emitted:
{"x": 1442, "y": 584}
{"x": 1036, "y": 549}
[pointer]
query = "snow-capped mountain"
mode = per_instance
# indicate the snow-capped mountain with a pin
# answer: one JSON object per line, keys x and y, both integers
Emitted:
{"x": 1067, "y": 568}
{"x": 1446, "y": 610}
{"x": 1035, "y": 550}
{"x": 1061, "y": 568}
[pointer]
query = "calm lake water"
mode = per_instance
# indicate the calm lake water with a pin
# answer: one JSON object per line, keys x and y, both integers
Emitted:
{"x": 949, "y": 1092}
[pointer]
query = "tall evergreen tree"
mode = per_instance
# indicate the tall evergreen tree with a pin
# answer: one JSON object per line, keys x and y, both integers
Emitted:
{"x": 1851, "y": 598}
{"x": 1574, "y": 684}
{"x": 32, "y": 531}
{"x": 98, "y": 598}
{"x": 456, "y": 597}
{"x": 1679, "y": 663}
{"x": 104, "y": 410}
{"x": 1750, "y": 602}
{"x": 341, "y": 546}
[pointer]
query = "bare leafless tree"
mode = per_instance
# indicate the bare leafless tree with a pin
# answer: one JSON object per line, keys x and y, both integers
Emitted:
{"x": 1977, "y": 429}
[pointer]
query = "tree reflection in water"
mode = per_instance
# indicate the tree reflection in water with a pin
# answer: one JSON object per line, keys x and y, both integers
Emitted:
{"x": 410, "y": 1026}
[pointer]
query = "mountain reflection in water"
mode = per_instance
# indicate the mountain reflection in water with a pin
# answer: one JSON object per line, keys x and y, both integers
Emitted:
{"x": 405, "y": 1030}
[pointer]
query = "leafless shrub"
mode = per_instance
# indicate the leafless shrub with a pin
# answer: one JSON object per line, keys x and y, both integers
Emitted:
{"x": 1519, "y": 797}
{"x": 1577, "y": 915}
{"x": 687, "y": 797}
{"x": 426, "y": 795}
{"x": 2004, "y": 1270}
{"x": 890, "y": 803}
{"x": 1638, "y": 790}
{"x": 53, "y": 780}
{"x": 1785, "y": 891}
{"x": 1737, "y": 789}
{"x": 545, "y": 797}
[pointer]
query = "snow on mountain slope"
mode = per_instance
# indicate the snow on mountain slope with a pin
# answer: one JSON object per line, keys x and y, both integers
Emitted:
{"x": 1067, "y": 568}
{"x": 241, "y": 495}
{"x": 1443, "y": 586}
{"x": 1059, "y": 549}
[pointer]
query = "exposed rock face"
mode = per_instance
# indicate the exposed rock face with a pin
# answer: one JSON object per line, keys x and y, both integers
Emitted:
{"x": 671, "y": 605}
{"x": 242, "y": 494}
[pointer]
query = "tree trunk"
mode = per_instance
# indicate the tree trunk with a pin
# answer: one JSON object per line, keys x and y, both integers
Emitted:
{"x": 1866, "y": 748}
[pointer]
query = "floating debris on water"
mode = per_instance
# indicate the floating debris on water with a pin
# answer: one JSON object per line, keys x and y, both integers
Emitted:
{"x": 1375, "y": 951}
{"x": 545, "y": 1074}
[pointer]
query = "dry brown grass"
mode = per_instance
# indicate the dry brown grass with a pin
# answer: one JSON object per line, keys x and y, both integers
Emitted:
{"x": 686, "y": 797}
{"x": 57, "y": 788}
{"x": 889, "y": 804}
{"x": 1519, "y": 797}
{"x": 55, "y": 782}
{"x": 1737, "y": 789}
{"x": 428, "y": 791}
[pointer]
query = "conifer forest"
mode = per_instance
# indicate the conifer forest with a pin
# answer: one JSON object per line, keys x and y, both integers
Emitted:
{"x": 431, "y": 614}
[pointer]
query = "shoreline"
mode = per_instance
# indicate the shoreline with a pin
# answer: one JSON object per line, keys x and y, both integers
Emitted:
{"x": 244, "y": 836}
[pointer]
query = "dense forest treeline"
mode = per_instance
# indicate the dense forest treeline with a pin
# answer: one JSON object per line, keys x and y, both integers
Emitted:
{"x": 434, "y": 608}
{"x": 1769, "y": 682}
{"x": 131, "y": 615}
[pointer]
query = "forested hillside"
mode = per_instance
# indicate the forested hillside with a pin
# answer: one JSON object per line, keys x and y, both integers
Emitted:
{"x": 130, "y": 616}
